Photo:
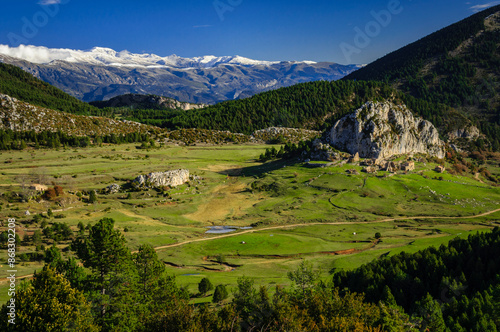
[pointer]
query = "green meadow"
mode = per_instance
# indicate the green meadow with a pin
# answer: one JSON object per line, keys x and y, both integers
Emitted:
{"x": 324, "y": 215}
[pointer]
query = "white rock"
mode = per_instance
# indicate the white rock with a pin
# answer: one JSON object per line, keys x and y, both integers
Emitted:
{"x": 163, "y": 179}
{"x": 381, "y": 130}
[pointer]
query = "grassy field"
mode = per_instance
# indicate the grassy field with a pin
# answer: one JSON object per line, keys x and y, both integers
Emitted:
{"x": 336, "y": 214}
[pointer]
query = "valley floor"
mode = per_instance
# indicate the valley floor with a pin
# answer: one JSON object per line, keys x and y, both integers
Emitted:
{"x": 324, "y": 215}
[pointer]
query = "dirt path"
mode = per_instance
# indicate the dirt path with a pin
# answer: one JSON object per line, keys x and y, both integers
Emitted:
{"x": 4, "y": 280}
{"x": 314, "y": 224}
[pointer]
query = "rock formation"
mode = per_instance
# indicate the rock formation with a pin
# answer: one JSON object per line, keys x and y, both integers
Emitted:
{"x": 467, "y": 132}
{"x": 137, "y": 101}
{"x": 162, "y": 179}
{"x": 381, "y": 130}
{"x": 113, "y": 188}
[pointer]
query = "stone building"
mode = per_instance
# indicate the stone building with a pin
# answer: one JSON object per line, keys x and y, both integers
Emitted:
{"x": 408, "y": 166}
{"x": 440, "y": 169}
{"x": 38, "y": 187}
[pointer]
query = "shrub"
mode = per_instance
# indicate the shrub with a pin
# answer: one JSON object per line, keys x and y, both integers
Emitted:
{"x": 205, "y": 286}
{"x": 220, "y": 294}
{"x": 50, "y": 194}
{"x": 59, "y": 190}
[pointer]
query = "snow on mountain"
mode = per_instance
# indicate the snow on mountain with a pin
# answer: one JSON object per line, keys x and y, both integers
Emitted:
{"x": 103, "y": 73}
{"x": 108, "y": 57}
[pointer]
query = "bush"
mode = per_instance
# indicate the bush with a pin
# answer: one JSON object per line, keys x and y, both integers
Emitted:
{"x": 220, "y": 294}
{"x": 50, "y": 194}
{"x": 478, "y": 156}
{"x": 59, "y": 190}
{"x": 205, "y": 286}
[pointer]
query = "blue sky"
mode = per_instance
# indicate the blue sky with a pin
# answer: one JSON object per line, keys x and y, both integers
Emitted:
{"x": 260, "y": 29}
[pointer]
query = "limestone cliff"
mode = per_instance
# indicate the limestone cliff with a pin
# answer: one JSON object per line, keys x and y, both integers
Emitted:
{"x": 381, "y": 130}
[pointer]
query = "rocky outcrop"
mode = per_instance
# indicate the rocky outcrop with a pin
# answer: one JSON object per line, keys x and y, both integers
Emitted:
{"x": 468, "y": 132}
{"x": 112, "y": 189}
{"x": 137, "y": 101}
{"x": 381, "y": 130}
{"x": 162, "y": 179}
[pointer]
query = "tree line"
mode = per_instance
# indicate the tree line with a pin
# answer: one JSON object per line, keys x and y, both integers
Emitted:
{"x": 460, "y": 282}
{"x": 19, "y": 140}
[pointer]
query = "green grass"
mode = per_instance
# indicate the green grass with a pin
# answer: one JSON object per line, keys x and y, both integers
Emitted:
{"x": 223, "y": 196}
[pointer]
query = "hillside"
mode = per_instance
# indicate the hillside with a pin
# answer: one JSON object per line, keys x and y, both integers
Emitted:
{"x": 17, "y": 115}
{"x": 463, "y": 272}
{"x": 313, "y": 105}
{"x": 457, "y": 66}
{"x": 21, "y": 85}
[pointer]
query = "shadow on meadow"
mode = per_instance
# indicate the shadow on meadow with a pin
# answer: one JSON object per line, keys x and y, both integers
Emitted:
{"x": 258, "y": 170}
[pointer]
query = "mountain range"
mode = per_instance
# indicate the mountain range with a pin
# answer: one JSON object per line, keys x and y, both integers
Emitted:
{"x": 449, "y": 78}
{"x": 102, "y": 73}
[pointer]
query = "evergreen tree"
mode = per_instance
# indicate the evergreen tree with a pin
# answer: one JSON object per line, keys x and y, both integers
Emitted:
{"x": 150, "y": 269}
{"x": 432, "y": 316}
{"x": 220, "y": 294}
{"x": 49, "y": 303}
{"x": 205, "y": 286}
{"x": 304, "y": 278}
{"x": 93, "y": 197}
{"x": 112, "y": 278}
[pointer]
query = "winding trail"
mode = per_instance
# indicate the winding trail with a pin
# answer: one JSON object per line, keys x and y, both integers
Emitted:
{"x": 320, "y": 223}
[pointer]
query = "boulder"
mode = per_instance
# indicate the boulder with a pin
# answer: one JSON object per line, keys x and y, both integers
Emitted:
{"x": 382, "y": 129}
{"x": 113, "y": 188}
{"x": 162, "y": 179}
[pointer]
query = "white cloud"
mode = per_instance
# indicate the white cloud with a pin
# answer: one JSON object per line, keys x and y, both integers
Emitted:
{"x": 36, "y": 54}
{"x": 478, "y": 8}
{"x": 49, "y": 2}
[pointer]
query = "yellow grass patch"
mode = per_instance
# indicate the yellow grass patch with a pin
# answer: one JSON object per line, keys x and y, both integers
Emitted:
{"x": 227, "y": 200}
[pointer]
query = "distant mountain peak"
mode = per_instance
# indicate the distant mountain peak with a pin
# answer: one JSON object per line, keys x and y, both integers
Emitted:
{"x": 102, "y": 73}
{"x": 108, "y": 57}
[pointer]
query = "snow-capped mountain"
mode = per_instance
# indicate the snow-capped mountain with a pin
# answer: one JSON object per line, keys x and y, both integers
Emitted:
{"x": 103, "y": 73}
{"x": 108, "y": 57}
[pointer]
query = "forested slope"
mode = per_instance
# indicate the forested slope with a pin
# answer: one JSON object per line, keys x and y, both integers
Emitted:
{"x": 315, "y": 105}
{"x": 457, "y": 66}
{"x": 462, "y": 277}
{"x": 21, "y": 85}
